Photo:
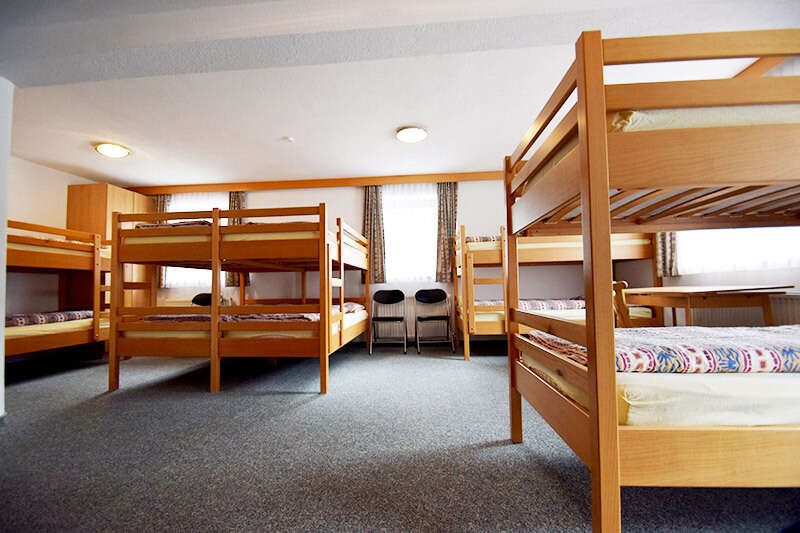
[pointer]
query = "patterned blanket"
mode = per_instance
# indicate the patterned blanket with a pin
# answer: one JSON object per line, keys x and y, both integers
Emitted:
{"x": 46, "y": 318}
{"x": 539, "y": 304}
{"x": 180, "y": 223}
{"x": 694, "y": 350}
{"x": 349, "y": 307}
{"x": 483, "y": 238}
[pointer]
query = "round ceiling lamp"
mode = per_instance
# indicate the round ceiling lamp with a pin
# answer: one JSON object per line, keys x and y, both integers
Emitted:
{"x": 112, "y": 150}
{"x": 411, "y": 134}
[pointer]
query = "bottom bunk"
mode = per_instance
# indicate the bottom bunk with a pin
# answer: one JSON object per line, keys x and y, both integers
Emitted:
{"x": 719, "y": 406}
{"x": 33, "y": 332}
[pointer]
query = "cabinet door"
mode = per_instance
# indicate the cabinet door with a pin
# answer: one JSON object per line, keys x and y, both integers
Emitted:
{"x": 141, "y": 273}
{"x": 86, "y": 208}
{"x": 121, "y": 201}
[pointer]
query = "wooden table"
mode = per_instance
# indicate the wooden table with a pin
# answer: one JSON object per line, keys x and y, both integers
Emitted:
{"x": 694, "y": 297}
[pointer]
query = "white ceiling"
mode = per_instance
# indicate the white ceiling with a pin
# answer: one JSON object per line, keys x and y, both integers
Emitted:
{"x": 205, "y": 91}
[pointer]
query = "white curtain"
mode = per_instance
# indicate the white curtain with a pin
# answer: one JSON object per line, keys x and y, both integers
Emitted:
{"x": 410, "y": 224}
{"x": 175, "y": 277}
{"x": 729, "y": 250}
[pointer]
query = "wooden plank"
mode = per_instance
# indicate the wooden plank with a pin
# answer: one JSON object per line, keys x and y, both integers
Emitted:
{"x": 759, "y": 43}
{"x": 270, "y": 325}
{"x": 269, "y": 347}
{"x": 163, "y": 347}
{"x": 488, "y": 281}
{"x": 161, "y": 217}
{"x": 761, "y": 66}
{"x": 51, "y": 230}
{"x": 597, "y": 275}
{"x": 511, "y": 302}
{"x": 216, "y": 296}
{"x": 317, "y": 183}
{"x": 573, "y": 373}
{"x": 755, "y": 202}
{"x": 560, "y": 95}
{"x": 566, "y": 417}
{"x": 560, "y": 136}
{"x": 668, "y": 200}
{"x": 699, "y": 204}
{"x": 722, "y": 156}
{"x": 703, "y": 93}
{"x": 280, "y": 227}
{"x": 571, "y": 331}
{"x": 164, "y": 325}
{"x": 731, "y": 456}
{"x": 555, "y": 187}
{"x": 36, "y": 343}
{"x": 269, "y": 308}
{"x": 270, "y": 212}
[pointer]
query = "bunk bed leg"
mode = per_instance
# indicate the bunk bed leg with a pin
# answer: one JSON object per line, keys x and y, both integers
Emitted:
{"x": 511, "y": 301}
{"x": 324, "y": 361}
{"x": 597, "y": 273}
{"x": 117, "y": 284}
{"x": 215, "y": 301}
{"x": 466, "y": 302}
{"x": 325, "y": 273}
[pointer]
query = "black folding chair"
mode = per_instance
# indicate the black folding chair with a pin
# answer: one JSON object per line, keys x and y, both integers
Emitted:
{"x": 427, "y": 298}
{"x": 386, "y": 298}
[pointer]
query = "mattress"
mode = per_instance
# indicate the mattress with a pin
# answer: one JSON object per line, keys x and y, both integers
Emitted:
{"x": 678, "y": 400}
{"x": 574, "y": 315}
{"x": 105, "y": 251}
{"x": 12, "y": 332}
{"x": 350, "y": 319}
{"x": 704, "y": 117}
{"x": 235, "y": 237}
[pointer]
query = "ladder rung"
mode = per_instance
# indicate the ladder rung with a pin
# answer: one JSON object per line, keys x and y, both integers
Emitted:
{"x": 488, "y": 281}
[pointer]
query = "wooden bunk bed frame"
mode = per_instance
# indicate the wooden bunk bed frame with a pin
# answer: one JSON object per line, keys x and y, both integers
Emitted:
{"x": 304, "y": 247}
{"x": 63, "y": 252}
{"x": 742, "y": 176}
{"x": 540, "y": 250}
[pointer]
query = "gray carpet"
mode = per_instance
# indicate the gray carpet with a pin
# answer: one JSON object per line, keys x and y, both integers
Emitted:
{"x": 400, "y": 443}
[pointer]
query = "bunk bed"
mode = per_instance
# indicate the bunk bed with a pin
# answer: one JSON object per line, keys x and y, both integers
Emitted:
{"x": 487, "y": 317}
{"x": 81, "y": 261}
{"x": 726, "y": 170}
{"x": 309, "y": 328}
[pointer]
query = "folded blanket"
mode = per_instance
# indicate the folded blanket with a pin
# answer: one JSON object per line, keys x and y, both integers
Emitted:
{"x": 694, "y": 349}
{"x": 28, "y": 319}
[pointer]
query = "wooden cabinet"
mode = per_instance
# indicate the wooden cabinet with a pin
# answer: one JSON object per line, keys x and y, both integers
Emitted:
{"x": 90, "y": 208}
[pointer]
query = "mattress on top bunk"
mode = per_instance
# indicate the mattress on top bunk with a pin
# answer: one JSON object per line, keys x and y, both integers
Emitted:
{"x": 351, "y": 317}
{"x": 105, "y": 251}
{"x": 230, "y": 237}
{"x": 531, "y": 304}
{"x": 492, "y": 242}
{"x": 574, "y": 315}
{"x": 703, "y": 117}
{"x": 13, "y": 332}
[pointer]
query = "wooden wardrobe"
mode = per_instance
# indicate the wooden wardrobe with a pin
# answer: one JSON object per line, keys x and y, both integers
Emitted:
{"x": 89, "y": 208}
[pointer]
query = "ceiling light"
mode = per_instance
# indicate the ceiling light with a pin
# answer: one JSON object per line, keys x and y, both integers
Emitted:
{"x": 113, "y": 150}
{"x": 411, "y": 134}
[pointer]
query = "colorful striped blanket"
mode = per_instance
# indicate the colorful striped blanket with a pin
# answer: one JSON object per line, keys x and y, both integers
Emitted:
{"x": 694, "y": 349}
{"x": 28, "y": 319}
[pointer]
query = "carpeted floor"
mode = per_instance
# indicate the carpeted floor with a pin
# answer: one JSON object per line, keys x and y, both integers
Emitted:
{"x": 400, "y": 443}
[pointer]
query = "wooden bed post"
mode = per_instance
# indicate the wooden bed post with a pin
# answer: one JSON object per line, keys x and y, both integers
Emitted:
{"x": 97, "y": 292}
{"x": 324, "y": 305}
{"x": 512, "y": 302}
{"x": 340, "y": 236}
{"x": 215, "y": 298}
{"x": 367, "y": 296}
{"x": 242, "y": 288}
{"x": 465, "y": 281}
{"x": 504, "y": 266}
{"x": 454, "y": 290}
{"x": 117, "y": 283}
{"x": 597, "y": 267}
{"x": 303, "y": 286}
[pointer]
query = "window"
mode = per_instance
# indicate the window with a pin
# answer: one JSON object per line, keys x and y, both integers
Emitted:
{"x": 726, "y": 250}
{"x": 410, "y": 217}
{"x": 192, "y": 277}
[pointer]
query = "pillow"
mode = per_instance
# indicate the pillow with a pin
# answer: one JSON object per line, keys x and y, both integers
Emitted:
{"x": 204, "y": 299}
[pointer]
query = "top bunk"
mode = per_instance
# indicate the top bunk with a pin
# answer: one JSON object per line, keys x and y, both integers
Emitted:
{"x": 283, "y": 239}
{"x": 680, "y": 155}
{"x": 34, "y": 247}
{"x": 487, "y": 250}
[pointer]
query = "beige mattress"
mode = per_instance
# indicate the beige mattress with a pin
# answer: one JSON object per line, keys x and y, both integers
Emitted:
{"x": 105, "y": 251}
{"x": 267, "y": 236}
{"x": 721, "y": 399}
{"x": 574, "y": 315}
{"x": 704, "y": 117}
{"x": 55, "y": 327}
{"x": 350, "y": 319}
{"x": 522, "y": 245}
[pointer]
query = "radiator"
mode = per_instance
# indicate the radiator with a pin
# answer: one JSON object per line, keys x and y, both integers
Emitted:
{"x": 785, "y": 310}
{"x": 432, "y": 329}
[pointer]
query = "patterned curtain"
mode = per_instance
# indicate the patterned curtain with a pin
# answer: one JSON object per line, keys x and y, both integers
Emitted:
{"x": 236, "y": 200}
{"x": 666, "y": 254}
{"x": 161, "y": 202}
{"x": 373, "y": 231}
{"x": 448, "y": 206}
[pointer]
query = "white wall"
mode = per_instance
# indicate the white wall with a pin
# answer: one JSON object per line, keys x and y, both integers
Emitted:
{"x": 6, "y": 106}
{"x": 39, "y": 196}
